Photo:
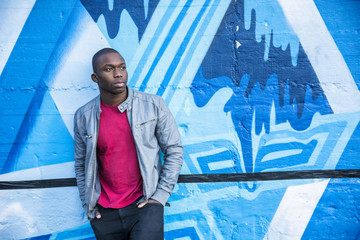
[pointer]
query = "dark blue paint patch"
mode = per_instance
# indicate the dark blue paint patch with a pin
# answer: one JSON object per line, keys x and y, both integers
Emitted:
{"x": 96, "y": 8}
{"x": 257, "y": 84}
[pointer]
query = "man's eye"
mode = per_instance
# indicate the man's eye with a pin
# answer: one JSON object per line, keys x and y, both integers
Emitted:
{"x": 108, "y": 69}
{"x": 123, "y": 68}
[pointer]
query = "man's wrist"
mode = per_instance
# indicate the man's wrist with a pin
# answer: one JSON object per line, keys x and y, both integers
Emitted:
{"x": 153, "y": 201}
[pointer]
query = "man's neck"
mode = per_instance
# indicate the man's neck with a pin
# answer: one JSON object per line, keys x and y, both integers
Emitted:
{"x": 113, "y": 99}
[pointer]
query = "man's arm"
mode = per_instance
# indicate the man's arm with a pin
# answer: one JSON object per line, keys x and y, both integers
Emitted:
{"x": 170, "y": 143}
{"x": 80, "y": 151}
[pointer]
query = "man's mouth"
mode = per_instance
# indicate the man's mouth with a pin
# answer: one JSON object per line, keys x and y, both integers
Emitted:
{"x": 119, "y": 84}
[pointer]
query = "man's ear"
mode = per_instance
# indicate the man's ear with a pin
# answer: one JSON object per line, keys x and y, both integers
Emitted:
{"x": 94, "y": 77}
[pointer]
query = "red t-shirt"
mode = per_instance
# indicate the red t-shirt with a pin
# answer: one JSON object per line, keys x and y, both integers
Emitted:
{"x": 120, "y": 177}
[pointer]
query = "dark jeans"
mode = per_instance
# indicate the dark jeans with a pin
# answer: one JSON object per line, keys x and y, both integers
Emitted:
{"x": 130, "y": 222}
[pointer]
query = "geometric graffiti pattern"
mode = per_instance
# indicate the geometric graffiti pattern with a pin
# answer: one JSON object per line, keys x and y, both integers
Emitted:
{"x": 242, "y": 84}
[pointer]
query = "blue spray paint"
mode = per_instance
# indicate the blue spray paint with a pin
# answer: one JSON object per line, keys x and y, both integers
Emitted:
{"x": 257, "y": 84}
{"x": 135, "y": 8}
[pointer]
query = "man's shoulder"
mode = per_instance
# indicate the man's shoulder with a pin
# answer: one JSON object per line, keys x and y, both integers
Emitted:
{"x": 87, "y": 106}
{"x": 147, "y": 97}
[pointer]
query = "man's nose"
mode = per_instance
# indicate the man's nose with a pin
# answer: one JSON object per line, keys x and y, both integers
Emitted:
{"x": 117, "y": 73}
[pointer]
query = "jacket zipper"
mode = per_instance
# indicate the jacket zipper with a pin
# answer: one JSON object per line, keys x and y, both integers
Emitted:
{"x": 137, "y": 152}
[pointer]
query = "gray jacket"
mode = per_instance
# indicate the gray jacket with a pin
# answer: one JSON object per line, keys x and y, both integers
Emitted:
{"x": 153, "y": 128}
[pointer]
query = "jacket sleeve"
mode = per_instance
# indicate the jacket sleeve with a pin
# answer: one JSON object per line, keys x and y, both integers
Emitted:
{"x": 79, "y": 152}
{"x": 170, "y": 143}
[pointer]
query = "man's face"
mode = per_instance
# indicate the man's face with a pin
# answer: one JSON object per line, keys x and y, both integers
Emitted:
{"x": 110, "y": 73}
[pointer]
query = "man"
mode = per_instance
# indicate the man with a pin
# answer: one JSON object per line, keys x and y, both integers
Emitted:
{"x": 118, "y": 137}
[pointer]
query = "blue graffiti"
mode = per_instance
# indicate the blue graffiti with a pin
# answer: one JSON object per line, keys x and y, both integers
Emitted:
{"x": 140, "y": 13}
{"x": 188, "y": 232}
{"x": 25, "y": 96}
{"x": 257, "y": 84}
{"x": 227, "y": 151}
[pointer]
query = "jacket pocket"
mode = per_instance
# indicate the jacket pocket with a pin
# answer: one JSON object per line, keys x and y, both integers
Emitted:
{"x": 145, "y": 124}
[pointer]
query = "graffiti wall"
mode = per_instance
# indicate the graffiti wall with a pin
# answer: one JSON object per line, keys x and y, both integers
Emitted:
{"x": 265, "y": 95}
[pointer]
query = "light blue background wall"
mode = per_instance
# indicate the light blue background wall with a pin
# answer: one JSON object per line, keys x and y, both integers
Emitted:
{"x": 255, "y": 86}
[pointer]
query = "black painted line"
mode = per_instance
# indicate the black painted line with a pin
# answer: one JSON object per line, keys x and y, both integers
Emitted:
{"x": 200, "y": 178}
{"x": 44, "y": 183}
{"x": 269, "y": 176}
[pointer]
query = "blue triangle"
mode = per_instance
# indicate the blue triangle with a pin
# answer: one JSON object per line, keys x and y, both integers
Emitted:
{"x": 48, "y": 142}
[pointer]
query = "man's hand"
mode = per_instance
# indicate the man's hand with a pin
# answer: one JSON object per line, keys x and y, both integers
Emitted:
{"x": 97, "y": 214}
{"x": 148, "y": 201}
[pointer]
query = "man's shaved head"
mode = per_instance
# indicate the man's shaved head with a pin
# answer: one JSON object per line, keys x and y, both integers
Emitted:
{"x": 99, "y": 54}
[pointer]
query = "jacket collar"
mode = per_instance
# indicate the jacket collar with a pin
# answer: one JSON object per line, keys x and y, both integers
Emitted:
{"x": 125, "y": 105}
